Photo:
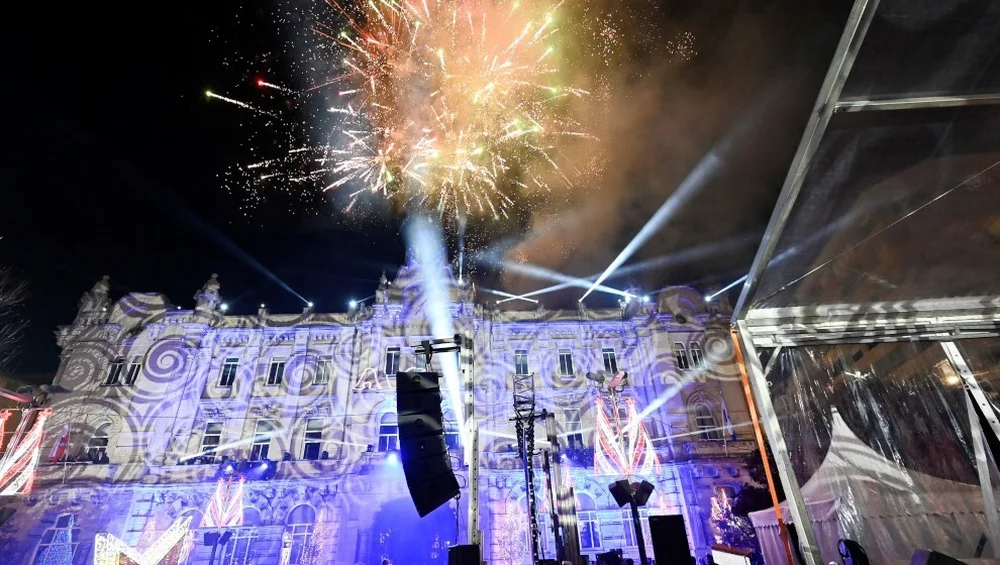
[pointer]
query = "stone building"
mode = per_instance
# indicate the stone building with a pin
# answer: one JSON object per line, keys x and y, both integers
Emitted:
{"x": 161, "y": 399}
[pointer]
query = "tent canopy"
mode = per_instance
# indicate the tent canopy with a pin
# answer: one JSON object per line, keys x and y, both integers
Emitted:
{"x": 891, "y": 207}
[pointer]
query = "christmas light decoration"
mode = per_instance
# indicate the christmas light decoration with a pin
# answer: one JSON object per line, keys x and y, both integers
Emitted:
{"x": 60, "y": 550}
{"x": 225, "y": 510}
{"x": 109, "y": 550}
{"x": 17, "y": 467}
{"x": 616, "y": 454}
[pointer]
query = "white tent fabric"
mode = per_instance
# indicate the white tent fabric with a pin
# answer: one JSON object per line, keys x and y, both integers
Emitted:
{"x": 858, "y": 494}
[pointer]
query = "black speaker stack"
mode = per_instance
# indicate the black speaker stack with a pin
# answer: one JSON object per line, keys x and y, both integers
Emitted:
{"x": 423, "y": 451}
{"x": 670, "y": 542}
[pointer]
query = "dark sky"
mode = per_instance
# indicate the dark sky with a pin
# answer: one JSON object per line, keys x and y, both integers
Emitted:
{"x": 109, "y": 155}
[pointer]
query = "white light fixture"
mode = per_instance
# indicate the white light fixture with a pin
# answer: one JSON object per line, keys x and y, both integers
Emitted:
{"x": 224, "y": 307}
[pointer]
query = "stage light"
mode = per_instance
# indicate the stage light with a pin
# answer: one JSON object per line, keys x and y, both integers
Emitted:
{"x": 310, "y": 304}
{"x": 262, "y": 305}
{"x": 645, "y": 299}
{"x": 392, "y": 458}
{"x": 224, "y": 307}
{"x": 352, "y": 303}
{"x": 263, "y": 465}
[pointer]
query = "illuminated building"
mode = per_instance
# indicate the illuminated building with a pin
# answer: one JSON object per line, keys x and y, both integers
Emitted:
{"x": 158, "y": 395}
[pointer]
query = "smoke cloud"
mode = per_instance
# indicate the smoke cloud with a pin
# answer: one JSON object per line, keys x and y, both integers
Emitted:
{"x": 708, "y": 99}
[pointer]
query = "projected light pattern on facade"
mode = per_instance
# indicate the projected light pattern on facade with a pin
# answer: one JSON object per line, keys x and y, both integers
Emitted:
{"x": 163, "y": 394}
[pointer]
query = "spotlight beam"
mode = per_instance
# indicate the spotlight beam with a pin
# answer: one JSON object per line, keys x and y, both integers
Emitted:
{"x": 695, "y": 253}
{"x": 695, "y": 180}
{"x": 705, "y": 170}
{"x": 508, "y": 295}
{"x": 427, "y": 242}
{"x": 711, "y": 297}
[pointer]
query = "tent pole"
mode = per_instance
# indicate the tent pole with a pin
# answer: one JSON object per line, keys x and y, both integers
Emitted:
{"x": 762, "y": 396}
{"x": 758, "y": 433}
{"x": 957, "y": 361}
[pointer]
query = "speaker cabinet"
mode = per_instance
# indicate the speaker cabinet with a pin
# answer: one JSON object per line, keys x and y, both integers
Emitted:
{"x": 670, "y": 542}
{"x": 464, "y": 555}
{"x": 423, "y": 451}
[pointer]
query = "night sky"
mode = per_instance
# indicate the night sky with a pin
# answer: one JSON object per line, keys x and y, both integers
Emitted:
{"x": 109, "y": 156}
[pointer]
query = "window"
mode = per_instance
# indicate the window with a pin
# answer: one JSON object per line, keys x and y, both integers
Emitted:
{"x": 313, "y": 443}
{"x": 574, "y": 437}
{"x": 565, "y": 362}
{"x": 420, "y": 362}
{"x": 211, "y": 440}
{"x": 59, "y": 543}
{"x": 134, "y": 367}
{"x": 521, "y": 362}
{"x": 114, "y": 372}
{"x": 276, "y": 373}
{"x": 300, "y": 526}
{"x": 697, "y": 359}
{"x": 97, "y": 447}
{"x": 261, "y": 440}
{"x": 451, "y": 435}
{"x": 610, "y": 361}
{"x": 388, "y": 433}
{"x": 630, "y": 540}
{"x": 324, "y": 367}
{"x": 590, "y": 524}
{"x": 229, "y": 371}
{"x": 240, "y": 549}
{"x": 391, "y": 361}
{"x": 704, "y": 421}
{"x": 681, "y": 357}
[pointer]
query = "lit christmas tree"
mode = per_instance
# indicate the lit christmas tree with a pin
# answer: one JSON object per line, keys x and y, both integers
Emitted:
{"x": 732, "y": 529}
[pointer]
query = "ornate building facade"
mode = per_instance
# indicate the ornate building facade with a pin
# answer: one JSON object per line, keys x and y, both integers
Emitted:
{"x": 161, "y": 402}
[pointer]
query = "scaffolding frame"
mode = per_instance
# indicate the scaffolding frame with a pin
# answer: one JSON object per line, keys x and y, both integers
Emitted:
{"x": 940, "y": 318}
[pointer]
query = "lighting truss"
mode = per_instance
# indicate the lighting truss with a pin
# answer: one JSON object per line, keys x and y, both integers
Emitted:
{"x": 108, "y": 549}
{"x": 17, "y": 466}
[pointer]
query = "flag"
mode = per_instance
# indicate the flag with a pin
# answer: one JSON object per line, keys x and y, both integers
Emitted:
{"x": 59, "y": 447}
{"x": 727, "y": 421}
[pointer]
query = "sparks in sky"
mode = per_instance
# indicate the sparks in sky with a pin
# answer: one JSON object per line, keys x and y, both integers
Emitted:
{"x": 472, "y": 109}
{"x": 450, "y": 105}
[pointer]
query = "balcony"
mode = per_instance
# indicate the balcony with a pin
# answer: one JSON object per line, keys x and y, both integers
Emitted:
{"x": 715, "y": 449}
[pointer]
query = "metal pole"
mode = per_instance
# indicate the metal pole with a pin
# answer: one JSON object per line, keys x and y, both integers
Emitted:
{"x": 982, "y": 466}
{"x": 759, "y": 435}
{"x": 466, "y": 355}
{"x": 762, "y": 396}
{"x": 829, "y": 94}
{"x": 637, "y": 522}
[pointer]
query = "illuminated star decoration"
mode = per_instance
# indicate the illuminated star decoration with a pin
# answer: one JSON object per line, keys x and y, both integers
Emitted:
{"x": 109, "y": 550}
{"x": 611, "y": 457}
{"x": 225, "y": 510}
{"x": 17, "y": 467}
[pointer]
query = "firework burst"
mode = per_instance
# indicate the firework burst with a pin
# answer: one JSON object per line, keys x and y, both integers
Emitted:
{"x": 450, "y": 105}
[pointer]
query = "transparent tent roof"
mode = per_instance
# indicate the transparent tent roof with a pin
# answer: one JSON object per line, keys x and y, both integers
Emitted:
{"x": 893, "y": 200}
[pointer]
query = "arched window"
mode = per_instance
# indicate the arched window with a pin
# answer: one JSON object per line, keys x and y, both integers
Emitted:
{"x": 388, "y": 432}
{"x": 97, "y": 447}
{"x": 59, "y": 543}
{"x": 705, "y": 423}
{"x": 590, "y": 524}
{"x": 300, "y": 523}
{"x": 697, "y": 358}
